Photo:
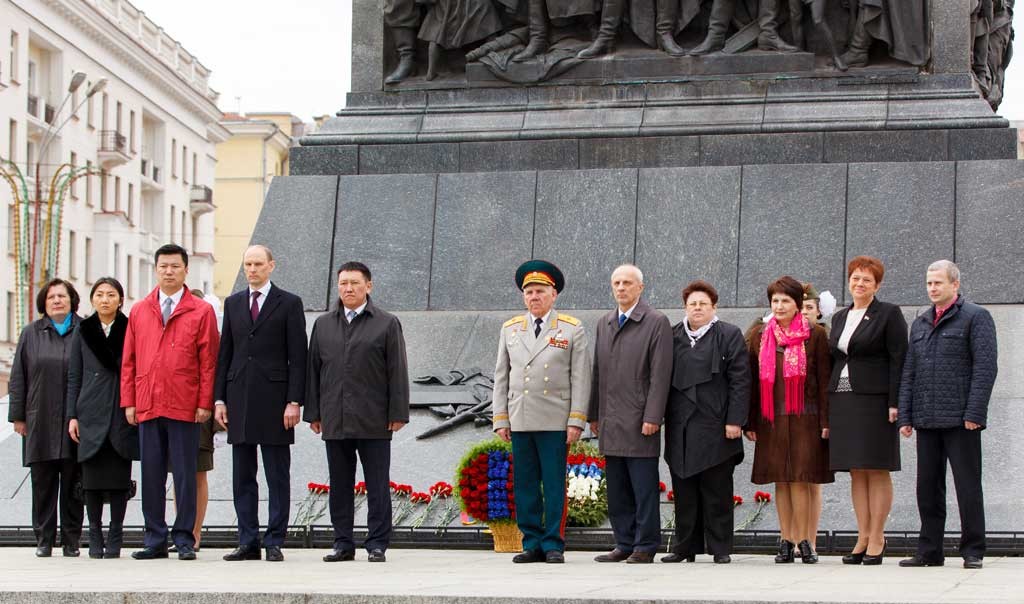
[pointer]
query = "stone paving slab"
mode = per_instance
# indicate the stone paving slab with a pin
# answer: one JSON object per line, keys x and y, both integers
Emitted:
{"x": 432, "y": 576}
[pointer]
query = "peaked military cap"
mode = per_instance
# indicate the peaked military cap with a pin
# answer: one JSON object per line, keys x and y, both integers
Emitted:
{"x": 539, "y": 271}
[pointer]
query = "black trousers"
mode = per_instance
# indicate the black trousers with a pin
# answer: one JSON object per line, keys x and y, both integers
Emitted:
{"x": 54, "y": 481}
{"x": 374, "y": 455}
{"x": 633, "y": 503}
{"x": 704, "y": 511}
{"x": 277, "y": 461}
{"x": 962, "y": 449}
{"x": 164, "y": 440}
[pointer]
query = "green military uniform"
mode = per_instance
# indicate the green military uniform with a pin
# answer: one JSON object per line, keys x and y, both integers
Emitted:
{"x": 541, "y": 387}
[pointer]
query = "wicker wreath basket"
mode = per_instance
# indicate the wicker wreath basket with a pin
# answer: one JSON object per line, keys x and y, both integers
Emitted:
{"x": 507, "y": 537}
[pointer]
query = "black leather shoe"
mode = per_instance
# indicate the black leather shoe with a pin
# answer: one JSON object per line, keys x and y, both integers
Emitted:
{"x": 186, "y": 552}
{"x": 71, "y": 551}
{"x": 786, "y": 552}
{"x": 274, "y": 554}
{"x": 243, "y": 552}
{"x": 676, "y": 558}
{"x": 807, "y": 554}
{"x": 44, "y": 551}
{"x": 723, "y": 558}
{"x": 150, "y": 553}
{"x": 376, "y": 555}
{"x": 972, "y": 562}
{"x": 340, "y": 555}
{"x": 110, "y": 555}
{"x": 616, "y": 555}
{"x": 870, "y": 560}
{"x": 640, "y": 558}
{"x": 918, "y": 561}
{"x": 854, "y": 558}
{"x": 555, "y": 557}
{"x": 528, "y": 557}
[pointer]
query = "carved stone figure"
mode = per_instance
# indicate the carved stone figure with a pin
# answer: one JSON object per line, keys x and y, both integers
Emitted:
{"x": 992, "y": 22}
{"x": 540, "y": 14}
{"x": 403, "y": 19}
{"x": 454, "y": 24}
{"x": 901, "y": 24}
{"x": 818, "y": 17}
{"x": 666, "y": 14}
{"x": 721, "y": 16}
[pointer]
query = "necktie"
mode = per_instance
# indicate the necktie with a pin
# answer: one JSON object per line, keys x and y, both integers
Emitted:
{"x": 536, "y": 331}
{"x": 622, "y": 319}
{"x": 168, "y": 306}
{"x": 254, "y": 310}
{"x": 351, "y": 316}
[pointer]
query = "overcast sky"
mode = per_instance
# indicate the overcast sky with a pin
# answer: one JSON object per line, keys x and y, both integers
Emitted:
{"x": 269, "y": 55}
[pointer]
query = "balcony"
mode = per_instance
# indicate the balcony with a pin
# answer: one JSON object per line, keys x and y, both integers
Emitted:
{"x": 150, "y": 176}
{"x": 41, "y": 114}
{"x": 113, "y": 149}
{"x": 201, "y": 200}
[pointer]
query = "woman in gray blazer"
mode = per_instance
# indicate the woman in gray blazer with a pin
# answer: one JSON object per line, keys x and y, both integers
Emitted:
{"x": 107, "y": 443}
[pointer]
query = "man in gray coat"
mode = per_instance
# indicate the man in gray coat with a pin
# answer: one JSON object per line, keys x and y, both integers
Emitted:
{"x": 357, "y": 396}
{"x": 631, "y": 379}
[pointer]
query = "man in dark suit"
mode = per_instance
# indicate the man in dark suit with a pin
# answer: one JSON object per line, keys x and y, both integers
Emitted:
{"x": 261, "y": 375}
{"x": 357, "y": 396}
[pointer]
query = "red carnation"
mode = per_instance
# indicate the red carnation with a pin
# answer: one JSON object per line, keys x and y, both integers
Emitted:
{"x": 671, "y": 495}
{"x": 737, "y": 500}
{"x": 661, "y": 487}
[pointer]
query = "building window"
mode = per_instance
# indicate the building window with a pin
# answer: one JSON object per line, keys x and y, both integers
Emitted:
{"x": 88, "y": 183}
{"x": 88, "y": 260}
{"x": 89, "y": 109}
{"x": 131, "y": 202}
{"x": 74, "y": 184}
{"x": 104, "y": 110}
{"x": 170, "y": 233}
{"x": 14, "y": 56}
{"x": 183, "y": 223}
{"x": 129, "y": 285}
{"x": 11, "y": 217}
{"x": 12, "y": 142}
{"x": 131, "y": 131}
{"x": 143, "y": 276}
{"x": 195, "y": 234}
{"x": 195, "y": 168}
{"x": 118, "y": 118}
{"x": 72, "y": 255}
{"x": 174, "y": 158}
{"x": 103, "y": 191}
{"x": 184, "y": 164}
{"x": 11, "y": 312}
{"x": 117, "y": 193}
{"x": 117, "y": 261}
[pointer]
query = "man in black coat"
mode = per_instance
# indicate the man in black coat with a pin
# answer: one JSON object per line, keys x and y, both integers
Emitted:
{"x": 260, "y": 386}
{"x": 357, "y": 396}
{"x": 948, "y": 377}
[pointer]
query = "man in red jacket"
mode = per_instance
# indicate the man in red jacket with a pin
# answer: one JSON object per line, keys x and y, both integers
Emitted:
{"x": 167, "y": 373}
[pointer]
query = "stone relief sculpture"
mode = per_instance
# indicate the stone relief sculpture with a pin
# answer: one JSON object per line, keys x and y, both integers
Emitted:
{"x": 992, "y": 23}
{"x": 901, "y": 24}
{"x": 528, "y": 41}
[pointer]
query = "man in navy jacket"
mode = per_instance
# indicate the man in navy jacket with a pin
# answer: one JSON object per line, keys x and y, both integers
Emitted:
{"x": 948, "y": 377}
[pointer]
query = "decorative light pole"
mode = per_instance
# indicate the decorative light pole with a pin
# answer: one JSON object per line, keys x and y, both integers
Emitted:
{"x": 33, "y": 266}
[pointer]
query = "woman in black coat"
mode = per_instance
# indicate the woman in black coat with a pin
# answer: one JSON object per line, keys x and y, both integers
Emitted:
{"x": 708, "y": 405}
{"x": 868, "y": 343}
{"x": 107, "y": 443}
{"x": 38, "y": 385}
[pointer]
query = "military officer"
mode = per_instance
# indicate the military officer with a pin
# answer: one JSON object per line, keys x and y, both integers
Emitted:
{"x": 541, "y": 391}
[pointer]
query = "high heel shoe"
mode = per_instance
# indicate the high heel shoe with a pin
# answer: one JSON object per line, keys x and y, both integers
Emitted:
{"x": 870, "y": 560}
{"x": 786, "y": 552}
{"x": 807, "y": 553}
{"x": 854, "y": 557}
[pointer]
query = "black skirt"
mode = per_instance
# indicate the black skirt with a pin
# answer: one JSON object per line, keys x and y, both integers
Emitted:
{"x": 860, "y": 435}
{"x": 107, "y": 471}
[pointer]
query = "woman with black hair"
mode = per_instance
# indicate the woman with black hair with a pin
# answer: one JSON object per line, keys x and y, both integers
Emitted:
{"x": 38, "y": 385}
{"x": 107, "y": 443}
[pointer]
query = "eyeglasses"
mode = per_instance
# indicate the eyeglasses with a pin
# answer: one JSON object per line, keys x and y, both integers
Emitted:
{"x": 700, "y": 304}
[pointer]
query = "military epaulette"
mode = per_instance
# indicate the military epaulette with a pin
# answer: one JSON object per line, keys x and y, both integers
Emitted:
{"x": 571, "y": 320}
{"x": 514, "y": 320}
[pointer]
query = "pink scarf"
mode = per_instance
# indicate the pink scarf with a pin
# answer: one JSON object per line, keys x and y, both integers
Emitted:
{"x": 794, "y": 365}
